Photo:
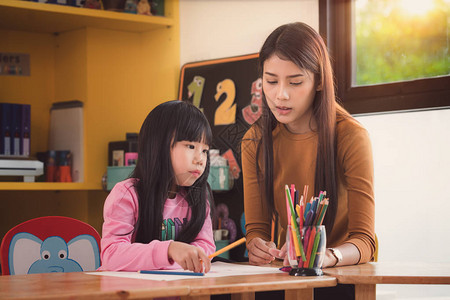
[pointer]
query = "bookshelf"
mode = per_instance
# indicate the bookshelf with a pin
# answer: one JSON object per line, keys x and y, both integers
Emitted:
{"x": 119, "y": 65}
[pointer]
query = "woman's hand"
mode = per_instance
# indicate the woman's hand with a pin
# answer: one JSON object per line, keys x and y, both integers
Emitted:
{"x": 282, "y": 254}
{"x": 189, "y": 257}
{"x": 350, "y": 256}
{"x": 329, "y": 260}
{"x": 262, "y": 252}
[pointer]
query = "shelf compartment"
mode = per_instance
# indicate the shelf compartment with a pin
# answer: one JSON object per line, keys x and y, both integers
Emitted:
{"x": 53, "y": 18}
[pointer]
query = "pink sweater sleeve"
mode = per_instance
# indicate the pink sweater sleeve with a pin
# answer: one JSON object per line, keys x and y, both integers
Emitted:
{"x": 119, "y": 252}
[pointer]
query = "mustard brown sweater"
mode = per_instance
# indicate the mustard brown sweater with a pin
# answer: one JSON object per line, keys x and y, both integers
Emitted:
{"x": 295, "y": 162}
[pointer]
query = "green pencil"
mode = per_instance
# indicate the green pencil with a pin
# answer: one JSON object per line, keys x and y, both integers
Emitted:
{"x": 297, "y": 232}
{"x": 322, "y": 214}
{"x": 314, "y": 250}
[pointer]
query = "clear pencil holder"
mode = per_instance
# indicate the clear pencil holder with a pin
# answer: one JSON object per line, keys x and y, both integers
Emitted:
{"x": 313, "y": 241}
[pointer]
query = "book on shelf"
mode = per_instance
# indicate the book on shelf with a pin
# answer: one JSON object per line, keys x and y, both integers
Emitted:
{"x": 15, "y": 130}
{"x": 5, "y": 133}
{"x": 25, "y": 130}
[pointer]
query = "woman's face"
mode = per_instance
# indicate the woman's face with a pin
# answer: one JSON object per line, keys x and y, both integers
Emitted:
{"x": 290, "y": 93}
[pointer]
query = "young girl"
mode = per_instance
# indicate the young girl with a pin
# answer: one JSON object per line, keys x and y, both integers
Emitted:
{"x": 160, "y": 218}
{"x": 304, "y": 137}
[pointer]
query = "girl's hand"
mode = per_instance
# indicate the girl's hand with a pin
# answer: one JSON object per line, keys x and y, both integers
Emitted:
{"x": 189, "y": 257}
{"x": 261, "y": 252}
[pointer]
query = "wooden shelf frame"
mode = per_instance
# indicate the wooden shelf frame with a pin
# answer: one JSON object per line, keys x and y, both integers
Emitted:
{"x": 46, "y": 186}
{"x": 53, "y": 18}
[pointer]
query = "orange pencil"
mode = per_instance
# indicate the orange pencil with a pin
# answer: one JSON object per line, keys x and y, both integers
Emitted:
{"x": 305, "y": 192}
{"x": 272, "y": 231}
{"x": 296, "y": 242}
{"x": 225, "y": 249}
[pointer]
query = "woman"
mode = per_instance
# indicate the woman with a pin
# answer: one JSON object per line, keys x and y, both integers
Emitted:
{"x": 304, "y": 137}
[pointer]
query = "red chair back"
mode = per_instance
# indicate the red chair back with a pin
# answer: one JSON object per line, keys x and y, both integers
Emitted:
{"x": 50, "y": 244}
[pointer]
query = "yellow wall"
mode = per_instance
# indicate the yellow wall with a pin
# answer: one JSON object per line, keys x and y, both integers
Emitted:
{"x": 36, "y": 89}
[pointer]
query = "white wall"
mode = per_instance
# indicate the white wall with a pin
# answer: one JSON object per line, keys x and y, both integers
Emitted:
{"x": 412, "y": 205}
{"x": 212, "y": 29}
{"x": 411, "y": 150}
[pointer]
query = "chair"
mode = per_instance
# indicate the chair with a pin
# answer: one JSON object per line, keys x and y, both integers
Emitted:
{"x": 50, "y": 244}
{"x": 375, "y": 255}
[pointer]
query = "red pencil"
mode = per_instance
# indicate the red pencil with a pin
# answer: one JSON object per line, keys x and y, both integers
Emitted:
{"x": 310, "y": 246}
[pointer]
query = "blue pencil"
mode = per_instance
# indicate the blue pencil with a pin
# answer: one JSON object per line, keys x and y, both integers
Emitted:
{"x": 166, "y": 272}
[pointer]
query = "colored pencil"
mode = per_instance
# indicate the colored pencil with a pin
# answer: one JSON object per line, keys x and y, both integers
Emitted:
{"x": 293, "y": 194}
{"x": 296, "y": 242}
{"x": 305, "y": 192}
{"x": 325, "y": 206}
{"x": 286, "y": 268}
{"x": 309, "y": 217}
{"x": 307, "y": 209}
{"x": 272, "y": 231}
{"x": 300, "y": 213}
{"x": 314, "y": 249}
{"x": 319, "y": 254}
{"x": 226, "y": 248}
{"x": 310, "y": 246}
{"x": 301, "y": 216}
{"x": 167, "y": 272}
{"x": 318, "y": 214}
{"x": 297, "y": 210}
{"x": 288, "y": 211}
{"x": 293, "y": 249}
{"x": 297, "y": 233}
{"x": 306, "y": 238}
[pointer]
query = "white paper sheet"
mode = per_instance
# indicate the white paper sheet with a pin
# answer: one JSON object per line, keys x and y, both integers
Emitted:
{"x": 218, "y": 269}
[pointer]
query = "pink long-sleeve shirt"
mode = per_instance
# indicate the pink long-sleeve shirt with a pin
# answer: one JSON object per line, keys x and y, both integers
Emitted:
{"x": 119, "y": 251}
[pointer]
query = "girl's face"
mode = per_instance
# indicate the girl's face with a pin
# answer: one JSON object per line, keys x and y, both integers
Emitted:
{"x": 188, "y": 161}
{"x": 290, "y": 93}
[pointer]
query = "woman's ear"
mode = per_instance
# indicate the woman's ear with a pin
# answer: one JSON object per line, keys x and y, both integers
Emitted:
{"x": 319, "y": 87}
{"x": 319, "y": 80}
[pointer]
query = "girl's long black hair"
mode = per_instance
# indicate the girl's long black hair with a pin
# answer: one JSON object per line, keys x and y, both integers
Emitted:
{"x": 166, "y": 124}
{"x": 303, "y": 46}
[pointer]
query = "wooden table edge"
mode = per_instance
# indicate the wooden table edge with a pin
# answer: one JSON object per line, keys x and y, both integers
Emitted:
{"x": 355, "y": 279}
{"x": 327, "y": 281}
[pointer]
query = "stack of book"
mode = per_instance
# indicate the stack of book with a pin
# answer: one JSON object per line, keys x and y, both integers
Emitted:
{"x": 15, "y": 125}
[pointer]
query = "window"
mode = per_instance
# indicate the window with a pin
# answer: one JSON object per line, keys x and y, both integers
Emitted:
{"x": 388, "y": 55}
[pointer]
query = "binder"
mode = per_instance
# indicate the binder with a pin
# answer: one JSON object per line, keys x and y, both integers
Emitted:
{"x": 25, "y": 130}
{"x": 5, "y": 130}
{"x": 16, "y": 123}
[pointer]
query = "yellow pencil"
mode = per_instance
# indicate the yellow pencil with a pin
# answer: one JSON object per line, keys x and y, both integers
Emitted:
{"x": 225, "y": 249}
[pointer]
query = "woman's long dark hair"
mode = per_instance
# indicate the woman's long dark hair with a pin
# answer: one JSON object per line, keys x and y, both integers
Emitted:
{"x": 165, "y": 125}
{"x": 299, "y": 43}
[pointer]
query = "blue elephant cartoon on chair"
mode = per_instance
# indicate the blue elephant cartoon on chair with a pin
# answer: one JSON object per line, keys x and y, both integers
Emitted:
{"x": 30, "y": 255}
